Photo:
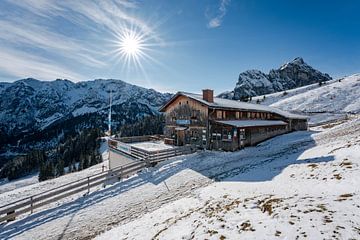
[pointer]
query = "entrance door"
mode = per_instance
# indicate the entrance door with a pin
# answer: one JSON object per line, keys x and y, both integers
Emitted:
{"x": 180, "y": 137}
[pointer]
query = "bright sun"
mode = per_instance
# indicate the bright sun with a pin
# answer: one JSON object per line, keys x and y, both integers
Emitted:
{"x": 130, "y": 45}
{"x": 133, "y": 46}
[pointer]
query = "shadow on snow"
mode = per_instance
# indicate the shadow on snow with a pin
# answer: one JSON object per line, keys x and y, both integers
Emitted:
{"x": 252, "y": 164}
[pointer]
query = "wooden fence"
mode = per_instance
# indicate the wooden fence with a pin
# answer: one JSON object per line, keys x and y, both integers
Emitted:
{"x": 10, "y": 211}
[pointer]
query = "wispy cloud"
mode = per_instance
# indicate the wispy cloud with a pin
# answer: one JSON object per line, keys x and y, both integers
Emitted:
{"x": 50, "y": 39}
{"x": 216, "y": 21}
{"x": 21, "y": 64}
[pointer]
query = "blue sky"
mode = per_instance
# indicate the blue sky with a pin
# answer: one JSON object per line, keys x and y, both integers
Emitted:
{"x": 187, "y": 45}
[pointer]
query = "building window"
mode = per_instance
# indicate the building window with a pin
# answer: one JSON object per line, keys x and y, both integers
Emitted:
{"x": 216, "y": 135}
{"x": 187, "y": 102}
{"x": 242, "y": 134}
{"x": 226, "y": 134}
{"x": 237, "y": 115}
{"x": 219, "y": 114}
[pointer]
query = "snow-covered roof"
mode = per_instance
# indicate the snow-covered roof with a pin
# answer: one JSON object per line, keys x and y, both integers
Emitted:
{"x": 252, "y": 123}
{"x": 233, "y": 104}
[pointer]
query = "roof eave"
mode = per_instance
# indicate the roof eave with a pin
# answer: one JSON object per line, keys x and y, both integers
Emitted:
{"x": 162, "y": 109}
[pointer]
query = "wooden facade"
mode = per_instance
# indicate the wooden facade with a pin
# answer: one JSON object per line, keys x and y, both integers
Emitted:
{"x": 214, "y": 123}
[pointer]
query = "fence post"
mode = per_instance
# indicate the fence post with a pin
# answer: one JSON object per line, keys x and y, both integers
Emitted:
{"x": 148, "y": 159}
{"x": 31, "y": 205}
{"x": 88, "y": 184}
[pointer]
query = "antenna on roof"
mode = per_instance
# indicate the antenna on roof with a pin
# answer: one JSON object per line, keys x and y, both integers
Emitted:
{"x": 109, "y": 123}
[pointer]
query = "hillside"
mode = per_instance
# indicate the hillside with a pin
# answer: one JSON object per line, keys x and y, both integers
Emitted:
{"x": 332, "y": 100}
{"x": 293, "y": 74}
{"x": 342, "y": 96}
{"x": 259, "y": 192}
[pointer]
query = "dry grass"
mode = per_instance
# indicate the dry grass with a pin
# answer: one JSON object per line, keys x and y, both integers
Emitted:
{"x": 313, "y": 166}
{"x": 338, "y": 176}
{"x": 344, "y": 197}
{"x": 327, "y": 219}
{"x": 212, "y": 232}
{"x": 246, "y": 226}
{"x": 267, "y": 205}
{"x": 346, "y": 164}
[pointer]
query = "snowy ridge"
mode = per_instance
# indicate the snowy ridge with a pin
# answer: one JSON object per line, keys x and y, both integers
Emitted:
{"x": 30, "y": 104}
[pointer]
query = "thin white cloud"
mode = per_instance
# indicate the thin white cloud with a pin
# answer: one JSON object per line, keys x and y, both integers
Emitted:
{"x": 33, "y": 35}
{"x": 216, "y": 21}
{"x": 24, "y": 34}
{"x": 22, "y": 65}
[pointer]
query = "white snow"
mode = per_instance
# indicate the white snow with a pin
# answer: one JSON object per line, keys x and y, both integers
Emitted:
{"x": 6, "y": 186}
{"x": 333, "y": 100}
{"x": 152, "y": 145}
{"x": 335, "y": 97}
{"x": 312, "y": 192}
{"x": 310, "y": 180}
{"x": 278, "y": 96}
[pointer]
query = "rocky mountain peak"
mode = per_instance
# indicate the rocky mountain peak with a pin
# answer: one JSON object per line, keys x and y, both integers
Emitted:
{"x": 298, "y": 61}
{"x": 293, "y": 74}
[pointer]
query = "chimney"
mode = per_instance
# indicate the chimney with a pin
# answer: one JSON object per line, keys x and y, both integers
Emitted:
{"x": 208, "y": 95}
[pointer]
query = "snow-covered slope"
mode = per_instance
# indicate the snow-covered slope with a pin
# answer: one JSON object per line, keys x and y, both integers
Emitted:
{"x": 336, "y": 97}
{"x": 271, "y": 200}
{"x": 278, "y": 96}
{"x": 259, "y": 193}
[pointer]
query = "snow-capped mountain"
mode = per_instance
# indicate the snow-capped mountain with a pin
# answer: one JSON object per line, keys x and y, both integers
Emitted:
{"x": 290, "y": 75}
{"x": 30, "y": 104}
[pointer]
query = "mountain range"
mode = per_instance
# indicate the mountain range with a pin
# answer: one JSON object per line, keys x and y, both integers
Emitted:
{"x": 38, "y": 113}
{"x": 293, "y": 74}
{"x": 30, "y": 104}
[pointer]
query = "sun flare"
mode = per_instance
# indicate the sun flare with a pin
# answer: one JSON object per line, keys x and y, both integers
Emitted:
{"x": 133, "y": 48}
{"x": 130, "y": 45}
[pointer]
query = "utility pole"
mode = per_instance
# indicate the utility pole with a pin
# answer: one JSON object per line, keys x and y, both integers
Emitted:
{"x": 109, "y": 124}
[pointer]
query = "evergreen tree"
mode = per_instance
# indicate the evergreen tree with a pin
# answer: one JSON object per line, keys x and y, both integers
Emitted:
{"x": 60, "y": 168}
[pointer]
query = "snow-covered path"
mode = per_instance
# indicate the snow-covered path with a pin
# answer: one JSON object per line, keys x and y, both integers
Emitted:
{"x": 318, "y": 197}
{"x": 252, "y": 172}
